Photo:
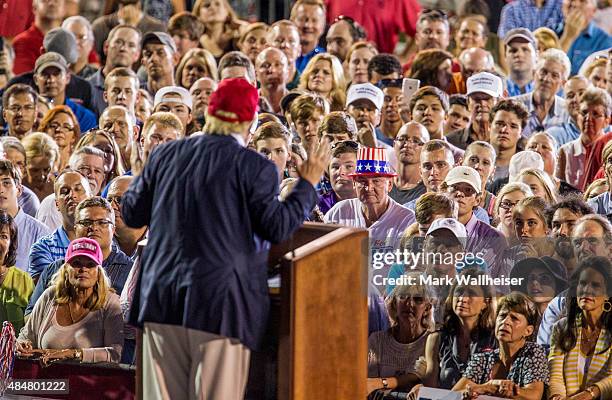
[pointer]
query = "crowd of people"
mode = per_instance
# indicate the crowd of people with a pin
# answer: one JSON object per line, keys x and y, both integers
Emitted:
{"x": 498, "y": 159}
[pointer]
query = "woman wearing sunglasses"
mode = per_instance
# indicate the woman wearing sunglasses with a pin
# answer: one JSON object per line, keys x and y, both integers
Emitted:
{"x": 78, "y": 317}
{"x": 393, "y": 353}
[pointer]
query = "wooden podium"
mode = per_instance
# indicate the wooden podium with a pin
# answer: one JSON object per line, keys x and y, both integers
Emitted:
{"x": 317, "y": 342}
{"x": 320, "y": 314}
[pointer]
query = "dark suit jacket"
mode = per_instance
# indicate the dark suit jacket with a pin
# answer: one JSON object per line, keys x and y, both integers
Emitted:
{"x": 207, "y": 201}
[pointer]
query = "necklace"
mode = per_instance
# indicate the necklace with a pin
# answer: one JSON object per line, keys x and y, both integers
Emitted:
{"x": 72, "y": 319}
{"x": 590, "y": 338}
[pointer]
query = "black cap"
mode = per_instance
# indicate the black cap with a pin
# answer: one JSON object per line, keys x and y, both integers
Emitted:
{"x": 555, "y": 268}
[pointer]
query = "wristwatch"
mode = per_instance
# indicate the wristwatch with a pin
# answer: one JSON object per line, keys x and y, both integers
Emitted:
{"x": 385, "y": 383}
{"x": 78, "y": 354}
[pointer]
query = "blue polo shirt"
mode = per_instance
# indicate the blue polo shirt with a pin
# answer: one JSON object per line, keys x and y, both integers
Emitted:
{"x": 87, "y": 119}
{"x": 591, "y": 39}
{"x": 302, "y": 61}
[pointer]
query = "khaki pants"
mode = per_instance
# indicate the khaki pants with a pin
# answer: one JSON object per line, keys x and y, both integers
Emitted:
{"x": 181, "y": 363}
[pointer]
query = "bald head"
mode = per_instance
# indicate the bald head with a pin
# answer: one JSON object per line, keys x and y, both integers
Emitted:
{"x": 267, "y": 53}
{"x": 409, "y": 142}
{"x": 475, "y": 60}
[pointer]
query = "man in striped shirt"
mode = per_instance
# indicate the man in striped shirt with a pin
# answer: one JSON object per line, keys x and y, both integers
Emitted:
{"x": 70, "y": 189}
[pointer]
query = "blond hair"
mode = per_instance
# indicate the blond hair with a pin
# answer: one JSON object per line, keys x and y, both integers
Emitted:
{"x": 217, "y": 126}
{"x": 547, "y": 38}
{"x": 40, "y": 144}
{"x": 166, "y": 119}
{"x": 337, "y": 94}
{"x": 65, "y": 292}
{"x": 205, "y": 58}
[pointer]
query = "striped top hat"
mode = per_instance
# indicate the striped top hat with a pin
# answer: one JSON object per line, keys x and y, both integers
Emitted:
{"x": 373, "y": 162}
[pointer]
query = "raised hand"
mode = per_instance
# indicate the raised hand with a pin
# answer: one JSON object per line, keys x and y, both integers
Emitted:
{"x": 318, "y": 159}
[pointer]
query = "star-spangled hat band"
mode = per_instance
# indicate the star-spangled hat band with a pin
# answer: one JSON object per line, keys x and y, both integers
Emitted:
{"x": 373, "y": 162}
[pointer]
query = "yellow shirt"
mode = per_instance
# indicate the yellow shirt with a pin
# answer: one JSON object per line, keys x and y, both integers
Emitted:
{"x": 15, "y": 292}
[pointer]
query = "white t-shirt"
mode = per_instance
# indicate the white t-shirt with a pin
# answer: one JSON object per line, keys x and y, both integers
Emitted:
{"x": 385, "y": 234}
{"x": 48, "y": 213}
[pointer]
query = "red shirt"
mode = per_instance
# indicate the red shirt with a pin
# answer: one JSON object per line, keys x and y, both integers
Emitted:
{"x": 383, "y": 20}
{"x": 594, "y": 160}
{"x": 15, "y": 17}
{"x": 27, "y": 47}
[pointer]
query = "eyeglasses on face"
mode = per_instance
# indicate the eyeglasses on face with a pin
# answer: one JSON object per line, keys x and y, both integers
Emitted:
{"x": 99, "y": 223}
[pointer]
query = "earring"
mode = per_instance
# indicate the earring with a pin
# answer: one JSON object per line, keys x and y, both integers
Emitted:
{"x": 607, "y": 306}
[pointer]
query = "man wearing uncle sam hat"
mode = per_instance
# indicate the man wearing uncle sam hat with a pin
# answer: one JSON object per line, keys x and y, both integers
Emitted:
{"x": 373, "y": 209}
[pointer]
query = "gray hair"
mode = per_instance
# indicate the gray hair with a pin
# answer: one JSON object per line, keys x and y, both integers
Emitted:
{"x": 85, "y": 150}
{"x": 557, "y": 56}
{"x": 81, "y": 20}
{"x": 597, "y": 96}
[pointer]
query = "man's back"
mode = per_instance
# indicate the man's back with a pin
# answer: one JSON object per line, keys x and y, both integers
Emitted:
{"x": 206, "y": 200}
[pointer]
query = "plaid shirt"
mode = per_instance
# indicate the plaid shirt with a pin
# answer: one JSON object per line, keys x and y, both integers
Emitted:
{"x": 557, "y": 115}
{"x": 525, "y": 14}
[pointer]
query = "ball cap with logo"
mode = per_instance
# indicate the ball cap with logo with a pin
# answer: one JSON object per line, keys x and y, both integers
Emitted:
{"x": 365, "y": 91}
{"x": 485, "y": 82}
{"x": 372, "y": 162}
{"x": 463, "y": 174}
{"x": 452, "y": 225}
{"x": 235, "y": 100}
{"x": 85, "y": 247}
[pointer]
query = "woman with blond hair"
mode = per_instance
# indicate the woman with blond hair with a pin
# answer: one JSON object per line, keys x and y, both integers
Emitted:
{"x": 78, "y": 317}
{"x": 324, "y": 76}
{"x": 392, "y": 354}
{"x": 63, "y": 126}
{"x": 507, "y": 198}
{"x": 253, "y": 40}
{"x": 196, "y": 64}
{"x": 221, "y": 26}
{"x": 541, "y": 184}
{"x": 546, "y": 39}
{"x": 596, "y": 73}
{"x": 42, "y": 157}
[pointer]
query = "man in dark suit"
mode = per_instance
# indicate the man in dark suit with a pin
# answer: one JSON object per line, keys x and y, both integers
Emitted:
{"x": 202, "y": 294}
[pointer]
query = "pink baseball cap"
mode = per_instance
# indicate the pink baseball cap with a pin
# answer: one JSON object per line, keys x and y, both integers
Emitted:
{"x": 85, "y": 247}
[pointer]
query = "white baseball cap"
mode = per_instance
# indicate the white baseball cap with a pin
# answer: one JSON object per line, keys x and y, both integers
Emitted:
{"x": 523, "y": 160}
{"x": 451, "y": 224}
{"x": 365, "y": 91}
{"x": 464, "y": 174}
{"x": 485, "y": 82}
{"x": 185, "y": 97}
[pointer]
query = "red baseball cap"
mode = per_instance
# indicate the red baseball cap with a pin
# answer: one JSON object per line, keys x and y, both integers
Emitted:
{"x": 235, "y": 100}
{"x": 85, "y": 247}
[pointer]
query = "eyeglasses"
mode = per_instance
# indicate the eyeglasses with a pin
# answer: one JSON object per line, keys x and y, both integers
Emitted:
{"x": 100, "y": 223}
{"x": 114, "y": 199}
{"x": 410, "y": 140}
{"x": 508, "y": 205}
{"x": 27, "y": 108}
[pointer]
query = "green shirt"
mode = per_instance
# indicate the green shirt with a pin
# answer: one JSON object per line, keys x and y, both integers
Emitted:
{"x": 15, "y": 292}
